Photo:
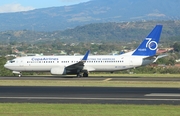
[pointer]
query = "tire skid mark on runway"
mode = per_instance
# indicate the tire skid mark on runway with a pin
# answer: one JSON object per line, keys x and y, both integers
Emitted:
{"x": 108, "y": 79}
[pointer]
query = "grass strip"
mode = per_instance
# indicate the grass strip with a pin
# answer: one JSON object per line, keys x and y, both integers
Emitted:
{"x": 109, "y": 75}
{"x": 89, "y": 83}
{"x": 30, "y": 109}
{"x": 134, "y": 75}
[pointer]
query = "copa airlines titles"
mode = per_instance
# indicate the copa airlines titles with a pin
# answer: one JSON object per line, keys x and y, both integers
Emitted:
{"x": 44, "y": 59}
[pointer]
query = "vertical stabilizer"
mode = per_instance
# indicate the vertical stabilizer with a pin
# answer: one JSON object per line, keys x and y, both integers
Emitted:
{"x": 150, "y": 44}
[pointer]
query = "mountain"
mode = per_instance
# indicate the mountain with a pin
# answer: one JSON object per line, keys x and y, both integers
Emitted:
{"x": 94, "y": 11}
{"x": 96, "y": 33}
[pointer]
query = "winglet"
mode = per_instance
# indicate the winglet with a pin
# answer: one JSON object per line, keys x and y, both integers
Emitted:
{"x": 86, "y": 56}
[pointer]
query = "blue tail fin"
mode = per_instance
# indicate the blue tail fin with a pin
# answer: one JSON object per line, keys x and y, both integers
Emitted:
{"x": 150, "y": 44}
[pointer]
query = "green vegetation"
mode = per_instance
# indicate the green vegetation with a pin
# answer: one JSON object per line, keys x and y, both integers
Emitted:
{"x": 100, "y": 38}
{"x": 155, "y": 75}
{"x": 89, "y": 83}
{"x": 164, "y": 69}
{"x": 97, "y": 32}
{"x": 176, "y": 46}
{"x": 28, "y": 109}
{"x": 3, "y": 71}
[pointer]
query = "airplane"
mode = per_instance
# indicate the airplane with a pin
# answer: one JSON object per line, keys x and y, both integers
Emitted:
{"x": 81, "y": 65}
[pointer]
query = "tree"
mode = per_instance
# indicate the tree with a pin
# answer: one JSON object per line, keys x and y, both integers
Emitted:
{"x": 3, "y": 71}
{"x": 176, "y": 47}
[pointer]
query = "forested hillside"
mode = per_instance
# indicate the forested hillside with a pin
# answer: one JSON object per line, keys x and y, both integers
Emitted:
{"x": 97, "y": 32}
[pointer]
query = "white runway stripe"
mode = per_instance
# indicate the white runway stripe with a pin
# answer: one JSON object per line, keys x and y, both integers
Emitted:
{"x": 164, "y": 94}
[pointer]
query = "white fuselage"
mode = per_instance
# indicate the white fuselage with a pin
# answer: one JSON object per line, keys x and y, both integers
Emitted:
{"x": 94, "y": 63}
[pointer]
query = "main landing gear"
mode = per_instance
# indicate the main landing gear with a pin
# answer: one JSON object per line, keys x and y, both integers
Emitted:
{"x": 85, "y": 74}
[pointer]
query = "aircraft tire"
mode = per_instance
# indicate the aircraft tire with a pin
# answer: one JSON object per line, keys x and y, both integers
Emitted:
{"x": 85, "y": 74}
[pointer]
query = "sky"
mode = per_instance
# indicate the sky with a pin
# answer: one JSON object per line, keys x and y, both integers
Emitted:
{"x": 25, "y": 5}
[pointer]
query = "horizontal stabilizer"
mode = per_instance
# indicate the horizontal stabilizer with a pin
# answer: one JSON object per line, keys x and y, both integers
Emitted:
{"x": 155, "y": 57}
{"x": 150, "y": 57}
{"x": 160, "y": 56}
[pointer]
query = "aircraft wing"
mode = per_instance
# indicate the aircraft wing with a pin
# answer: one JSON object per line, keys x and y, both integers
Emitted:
{"x": 79, "y": 65}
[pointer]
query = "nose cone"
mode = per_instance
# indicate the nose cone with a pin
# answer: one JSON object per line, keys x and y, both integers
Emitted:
{"x": 6, "y": 66}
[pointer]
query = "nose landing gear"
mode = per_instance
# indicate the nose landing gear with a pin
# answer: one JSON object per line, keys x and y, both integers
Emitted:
{"x": 16, "y": 72}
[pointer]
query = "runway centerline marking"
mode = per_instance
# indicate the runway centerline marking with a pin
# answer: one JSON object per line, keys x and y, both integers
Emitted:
{"x": 108, "y": 79}
{"x": 164, "y": 94}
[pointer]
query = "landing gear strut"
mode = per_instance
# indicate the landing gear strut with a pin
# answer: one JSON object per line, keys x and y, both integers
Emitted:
{"x": 79, "y": 75}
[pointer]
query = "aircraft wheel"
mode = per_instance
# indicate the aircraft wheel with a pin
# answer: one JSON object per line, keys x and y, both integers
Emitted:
{"x": 20, "y": 75}
{"x": 85, "y": 74}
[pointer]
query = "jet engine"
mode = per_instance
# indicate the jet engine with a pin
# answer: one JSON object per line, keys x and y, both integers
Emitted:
{"x": 58, "y": 71}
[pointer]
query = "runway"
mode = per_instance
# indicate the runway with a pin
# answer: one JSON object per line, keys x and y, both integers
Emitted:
{"x": 102, "y": 95}
{"x": 72, "y": 78}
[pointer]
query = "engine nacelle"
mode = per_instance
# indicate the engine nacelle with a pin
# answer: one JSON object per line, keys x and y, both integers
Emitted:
{"x": 16, "y": 72}
{"x": 58, "y": 71}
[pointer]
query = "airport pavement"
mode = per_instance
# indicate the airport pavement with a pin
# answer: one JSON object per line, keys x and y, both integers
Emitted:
{"x": 98, "y": 78}
{"x": 102, "y": 95}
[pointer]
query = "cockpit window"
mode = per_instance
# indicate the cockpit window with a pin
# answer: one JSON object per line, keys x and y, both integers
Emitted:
{"x": 12, "y": 61}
